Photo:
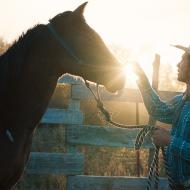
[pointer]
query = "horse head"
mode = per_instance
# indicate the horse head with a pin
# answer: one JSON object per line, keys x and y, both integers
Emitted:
{"x": 87, "y": 55}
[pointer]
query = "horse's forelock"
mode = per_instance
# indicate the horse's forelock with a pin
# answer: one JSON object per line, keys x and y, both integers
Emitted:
{"x": 67, "y": 16}
{"x": 77, "y": 13}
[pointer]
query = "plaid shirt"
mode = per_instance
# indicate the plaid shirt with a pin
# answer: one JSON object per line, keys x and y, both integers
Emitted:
{"x": 177, "y": 113}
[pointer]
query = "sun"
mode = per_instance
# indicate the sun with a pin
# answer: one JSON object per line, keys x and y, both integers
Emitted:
{"x": 129, "y": 73}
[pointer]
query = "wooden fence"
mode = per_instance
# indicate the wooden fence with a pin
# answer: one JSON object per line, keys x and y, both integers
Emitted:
{"x": 72, "y": 162}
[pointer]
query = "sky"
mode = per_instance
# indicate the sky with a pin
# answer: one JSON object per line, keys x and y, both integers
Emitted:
{"x": 145, "y": 27}
{"x": 126, "y": 22}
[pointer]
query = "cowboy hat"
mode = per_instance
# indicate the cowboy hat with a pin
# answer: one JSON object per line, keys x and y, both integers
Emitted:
{"x": 186, "y": 49}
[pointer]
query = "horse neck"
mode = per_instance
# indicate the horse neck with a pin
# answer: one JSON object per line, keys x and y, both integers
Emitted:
{"x": 27, "y": 93}
{"x": 37, "y": 97}
{"x": 30, "y": 89}
{"x": 3, "y": 68}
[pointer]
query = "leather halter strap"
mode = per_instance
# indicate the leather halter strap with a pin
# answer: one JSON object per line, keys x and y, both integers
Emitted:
{"x": 62, "y": 42}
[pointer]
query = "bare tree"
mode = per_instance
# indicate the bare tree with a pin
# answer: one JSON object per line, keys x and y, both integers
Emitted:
{"x": 3, "y": 45}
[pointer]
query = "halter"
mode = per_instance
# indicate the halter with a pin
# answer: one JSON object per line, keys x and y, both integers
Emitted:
{"x": 153, "y": 173}
{"x": 63, "y": 44}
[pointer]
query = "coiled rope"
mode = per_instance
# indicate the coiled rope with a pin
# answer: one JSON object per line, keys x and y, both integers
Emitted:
{"x": 153, "y": 176}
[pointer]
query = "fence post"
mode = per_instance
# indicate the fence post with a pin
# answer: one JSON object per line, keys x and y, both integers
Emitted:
{"x": 155, "y": 77}
{"x": 138, "y": 161}
{"x": 74, "y": 104}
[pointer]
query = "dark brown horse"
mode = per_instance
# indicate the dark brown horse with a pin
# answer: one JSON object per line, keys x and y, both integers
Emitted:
{"x": 29, "y": 71}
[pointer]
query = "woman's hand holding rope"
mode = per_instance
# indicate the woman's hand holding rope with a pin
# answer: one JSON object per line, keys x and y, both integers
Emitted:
{"x": 160, "y": 137}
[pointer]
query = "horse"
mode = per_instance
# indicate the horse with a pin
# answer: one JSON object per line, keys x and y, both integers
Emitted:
{"x": 29, "y": 71}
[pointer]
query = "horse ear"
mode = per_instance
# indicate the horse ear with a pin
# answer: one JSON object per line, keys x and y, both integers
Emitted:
{"x": 79, "y": 10}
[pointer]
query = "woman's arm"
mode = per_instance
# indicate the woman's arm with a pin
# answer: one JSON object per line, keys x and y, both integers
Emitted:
{"x": 160, "y": 110}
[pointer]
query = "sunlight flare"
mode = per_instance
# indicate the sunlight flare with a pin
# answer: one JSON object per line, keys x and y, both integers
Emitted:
{"x": 129, "y": 73}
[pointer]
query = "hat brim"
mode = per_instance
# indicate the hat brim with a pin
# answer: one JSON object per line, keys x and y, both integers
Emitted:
{"x": 186, "y": 49}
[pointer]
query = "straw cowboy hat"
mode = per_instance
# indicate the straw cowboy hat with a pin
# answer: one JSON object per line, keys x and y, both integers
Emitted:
{"x": 186, "y": 49}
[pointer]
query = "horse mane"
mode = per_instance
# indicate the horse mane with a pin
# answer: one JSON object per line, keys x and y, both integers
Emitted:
{"x": 25, "y": 40}
{"x": 12, "y": 61}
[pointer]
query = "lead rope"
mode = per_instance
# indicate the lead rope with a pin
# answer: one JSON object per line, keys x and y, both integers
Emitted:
{"x": 171, "y": 182}
{"x": 154, "y": 169}
{"x": 105, "y": 113}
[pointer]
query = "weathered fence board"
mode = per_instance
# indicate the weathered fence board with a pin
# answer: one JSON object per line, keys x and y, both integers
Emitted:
{"x": 70, "y": 79}
{"x": 62, "y": 116}
{"x": 103, "y": 136}
{"x": 80, "y": 92}
{"x": 110, "y": 183}
{"x": 49, "y": 138}
{"x": 55, "y": 163}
